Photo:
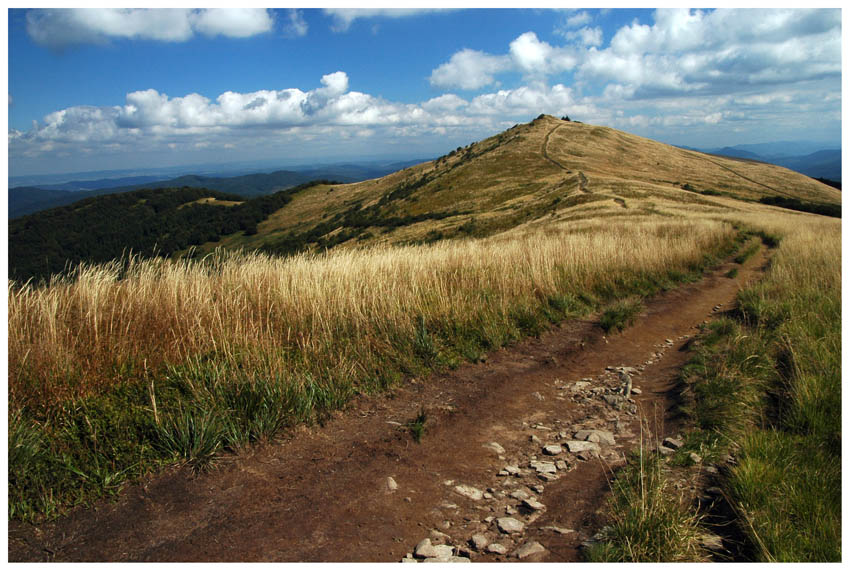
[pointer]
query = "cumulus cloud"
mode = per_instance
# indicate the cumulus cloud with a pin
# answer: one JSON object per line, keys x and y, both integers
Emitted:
{"x": 472, "y": 69}
{"x": 469, "y": 69}
{"x": 62, "y": 27}
{"x": 150, "y": 119}
{"x": 682, "y": 51}
{"x": 687, "y": 72}
{"x": 535, "y": 57}
{"x": 231, "y": 22}
{"x": 344, "y": 17}
{"x": 722, "y": 50}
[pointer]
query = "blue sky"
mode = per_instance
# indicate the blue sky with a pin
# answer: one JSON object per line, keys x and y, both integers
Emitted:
{"x": 98, "y": 89}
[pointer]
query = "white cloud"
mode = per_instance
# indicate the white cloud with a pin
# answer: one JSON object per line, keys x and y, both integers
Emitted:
{"x": 149, "y": 119}
{"x": 296, "y": 26}
{"x": 344, "y": 17}
{"x": 579, "y": 19}
{"x": 586, "y": 36}
{"x": 231, "y": 22}
{"x": 472, "y": 69}
{"x": 469, "y": 69}
{"x": 537, "y": 58}
{"x": 62, "y": 27}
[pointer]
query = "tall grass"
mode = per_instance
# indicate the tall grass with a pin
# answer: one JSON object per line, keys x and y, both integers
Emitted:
{"x": 125, "y": 366}
{"x": 649, "y": 521}
{"x": 770, "y": 382}
{"x": 111, "y": 322}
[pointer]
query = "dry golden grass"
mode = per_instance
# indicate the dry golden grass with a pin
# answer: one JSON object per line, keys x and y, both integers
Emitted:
{"x": 532, "y": 172}
{"x": 343, "y": 311}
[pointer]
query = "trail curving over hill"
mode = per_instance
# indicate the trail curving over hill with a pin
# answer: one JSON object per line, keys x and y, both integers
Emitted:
{"x": 545, "y": 149}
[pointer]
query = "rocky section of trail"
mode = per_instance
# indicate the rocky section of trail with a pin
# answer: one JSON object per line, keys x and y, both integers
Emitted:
{"x": 493, "y": 519}
{"x": 513, "y": 463}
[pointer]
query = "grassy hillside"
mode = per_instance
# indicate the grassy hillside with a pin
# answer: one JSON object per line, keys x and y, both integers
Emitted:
{"x": 532, "y": 174}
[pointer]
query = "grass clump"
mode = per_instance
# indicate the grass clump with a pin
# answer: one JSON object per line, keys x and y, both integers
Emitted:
{"x": 620, "y": 315}
{"x": 648, "y": 521}
{"x": 416, "y": 426}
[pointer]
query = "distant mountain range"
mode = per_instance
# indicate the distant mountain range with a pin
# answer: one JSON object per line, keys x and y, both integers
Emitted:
{"x": 807, "y": 158}
{"x": 28, "y": 199}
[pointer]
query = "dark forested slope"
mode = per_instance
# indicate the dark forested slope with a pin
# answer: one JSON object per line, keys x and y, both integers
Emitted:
{"x": 148, "y": 222}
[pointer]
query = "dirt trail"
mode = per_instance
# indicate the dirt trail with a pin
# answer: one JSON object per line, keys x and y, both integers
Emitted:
{"x": 321, "y": 494}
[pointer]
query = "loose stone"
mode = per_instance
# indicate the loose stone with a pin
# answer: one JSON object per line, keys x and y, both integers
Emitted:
{"x": 391, "y": 484}
{"x": 509, "y": 525}
{"x": 582, "y": 446}
{"x": 664, "y": 451}
{"x": 469, "y": 492}
{"x": 479, "y": 541}
{"x": 600, "y": 436}
{"x": 425, "y": 549}
{"x": 552, "y": 449}
{"x": 674, "y": 443}
{"x": 529, "y": 549}
{"x": 496, "y": 548}
{"x": 495, "y": 447}
{"x": 543, "y": 467}
{"x": 520, "y": 495}
{"x": 559, "y": 530}
{"x": 533, "y": 504}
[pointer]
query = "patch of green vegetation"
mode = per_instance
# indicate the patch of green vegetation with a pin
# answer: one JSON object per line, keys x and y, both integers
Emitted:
{"x": 416, "y": 426}
{"x": 821, "y": 208}
{"x": 620, "y": 315}
{"x": 648, "y": 521}
{"x": 747, "y": 253}
{"x": 769, "y": 381}
{"x": 733, "y": 273}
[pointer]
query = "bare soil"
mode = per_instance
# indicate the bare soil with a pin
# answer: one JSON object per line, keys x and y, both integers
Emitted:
{"x": 320, "y": 493}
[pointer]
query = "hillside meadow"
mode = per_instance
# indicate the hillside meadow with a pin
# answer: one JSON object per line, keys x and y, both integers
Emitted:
{"x": 127, "y": 365}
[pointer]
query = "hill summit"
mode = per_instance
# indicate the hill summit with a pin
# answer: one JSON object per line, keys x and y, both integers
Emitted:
{"x": 529, "y": 174}
{"x": 532, "y": 174}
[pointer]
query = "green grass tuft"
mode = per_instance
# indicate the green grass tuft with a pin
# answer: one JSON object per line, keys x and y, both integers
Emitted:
{"x": 648, "y": 521}
{"x": 620, "y": 315}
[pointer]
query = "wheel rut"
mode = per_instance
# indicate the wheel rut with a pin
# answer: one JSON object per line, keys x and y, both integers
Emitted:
{"x": 322, "y": 493}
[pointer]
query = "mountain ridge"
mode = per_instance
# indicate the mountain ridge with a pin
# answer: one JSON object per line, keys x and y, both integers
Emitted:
{"x": 528, "y": 175}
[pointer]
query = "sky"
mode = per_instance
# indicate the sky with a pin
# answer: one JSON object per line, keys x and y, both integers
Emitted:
{"x": 119, "y": 88}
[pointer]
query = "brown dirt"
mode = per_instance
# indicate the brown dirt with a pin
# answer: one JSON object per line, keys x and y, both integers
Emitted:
{"x": 320, "y": 493}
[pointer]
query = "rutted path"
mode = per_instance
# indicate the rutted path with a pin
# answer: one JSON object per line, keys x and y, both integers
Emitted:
{"x": 582, "y": 180}
{"x": 360, "y": 489}
{"x": 545, "y": 149}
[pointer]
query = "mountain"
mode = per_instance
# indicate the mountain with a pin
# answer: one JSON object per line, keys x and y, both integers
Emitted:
{"x": 28, "y": 199}
{"x": 821, "y": 164}
{"x": 797, "y": 156}
{"x": 528, "y": 175}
